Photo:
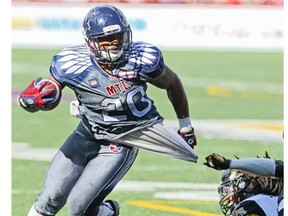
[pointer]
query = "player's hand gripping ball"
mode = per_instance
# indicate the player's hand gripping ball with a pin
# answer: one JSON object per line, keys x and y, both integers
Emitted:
{"x": 41, "y": 94}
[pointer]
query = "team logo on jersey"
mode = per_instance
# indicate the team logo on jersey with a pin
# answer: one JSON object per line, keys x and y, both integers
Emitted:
{"x": 93, "y": 83}
{"x": 116, "y": 148}
{"x": 117, "y": 88}
{"x": 241, "y": 211}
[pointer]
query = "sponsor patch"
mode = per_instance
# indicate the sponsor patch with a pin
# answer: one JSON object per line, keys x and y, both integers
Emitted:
{"x": 93, "y": 83}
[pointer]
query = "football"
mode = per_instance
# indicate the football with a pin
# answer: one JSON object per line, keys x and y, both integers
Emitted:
{"x": 52, "y": 94}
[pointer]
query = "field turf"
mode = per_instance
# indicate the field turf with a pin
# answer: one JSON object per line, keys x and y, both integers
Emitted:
{"x": 219, "y": 85}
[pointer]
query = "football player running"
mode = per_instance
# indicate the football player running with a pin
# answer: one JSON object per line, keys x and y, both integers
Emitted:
{"x": 109, "y": 75}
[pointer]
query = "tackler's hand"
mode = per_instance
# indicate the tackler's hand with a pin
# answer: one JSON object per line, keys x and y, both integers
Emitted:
{"x": 217, "y": 162}
{"x": 187, "y": 133}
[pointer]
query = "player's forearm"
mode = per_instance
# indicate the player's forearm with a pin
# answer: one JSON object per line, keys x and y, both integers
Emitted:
{"x": 178, "y": 99}
{"x": 258, "y": 166}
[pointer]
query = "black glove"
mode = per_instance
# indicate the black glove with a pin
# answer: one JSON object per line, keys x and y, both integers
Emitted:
{"x": 217, "y": 162}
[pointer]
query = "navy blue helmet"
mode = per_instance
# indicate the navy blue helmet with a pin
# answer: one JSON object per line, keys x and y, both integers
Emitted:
{"x": 103, "y": 22}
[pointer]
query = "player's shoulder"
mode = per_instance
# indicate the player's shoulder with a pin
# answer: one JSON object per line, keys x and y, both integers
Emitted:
{"x": 247, "y": 207}
{"x": 72, "y": 52}
{"x": 256, "y": 205}
{"x": 142, "y": 46}
{"x": 70, "y": 61}
{"x": 146, "y": 58}
{"x": 145, "y": 51}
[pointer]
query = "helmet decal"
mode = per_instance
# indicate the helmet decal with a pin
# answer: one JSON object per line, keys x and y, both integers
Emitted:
{"x": 111, "y": 28}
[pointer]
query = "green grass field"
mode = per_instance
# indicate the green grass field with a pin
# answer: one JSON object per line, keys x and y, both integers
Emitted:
{"x": 220, "y": 85}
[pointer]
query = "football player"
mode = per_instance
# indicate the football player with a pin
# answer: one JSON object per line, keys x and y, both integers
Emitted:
{"x": 260, "y": 166}
{"x": 241, "y": 194}
{"x": 109, "y": 75}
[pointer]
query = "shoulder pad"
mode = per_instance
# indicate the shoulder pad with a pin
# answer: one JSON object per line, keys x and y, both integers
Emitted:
{"x": 70, "y": 62}
{"x": 146, "y": 59}
{"x": 247, "y": 207}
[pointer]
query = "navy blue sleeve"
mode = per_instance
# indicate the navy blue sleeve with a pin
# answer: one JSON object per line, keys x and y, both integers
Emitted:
{"x": 69, "y": 63}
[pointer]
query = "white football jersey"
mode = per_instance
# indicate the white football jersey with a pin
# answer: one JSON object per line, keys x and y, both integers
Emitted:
{"x": 258, "y": 205}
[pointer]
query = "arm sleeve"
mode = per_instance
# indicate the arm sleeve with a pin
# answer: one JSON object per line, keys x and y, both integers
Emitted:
{"x": 264, "y": 184}
{"x": 258, "y": 166}
{"x": 279, "y": 168}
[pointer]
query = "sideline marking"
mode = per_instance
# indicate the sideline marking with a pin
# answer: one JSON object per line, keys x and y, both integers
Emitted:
{"x": 219, "y": 91}
{"x": 270, "y": 127}
{"x": 159, "y": 207}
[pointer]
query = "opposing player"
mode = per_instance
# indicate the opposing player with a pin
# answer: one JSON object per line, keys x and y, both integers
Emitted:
{"x": 109, "y": 75}
{"x": 261, "y": 167}
{"x": 243, "y": 194}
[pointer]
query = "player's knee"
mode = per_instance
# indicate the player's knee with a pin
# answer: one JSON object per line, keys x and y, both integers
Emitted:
{"x": 78, "y": 207}
{"x": 75, "y": 206}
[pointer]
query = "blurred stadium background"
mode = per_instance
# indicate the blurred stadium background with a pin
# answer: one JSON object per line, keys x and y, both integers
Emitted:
{"x": 229, "y": 54}
{"x": 254, "y": 3}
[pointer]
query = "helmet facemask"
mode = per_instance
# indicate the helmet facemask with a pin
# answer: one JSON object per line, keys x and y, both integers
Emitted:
{"x": 233, "y": 190}
{"x": 110, "y": 49}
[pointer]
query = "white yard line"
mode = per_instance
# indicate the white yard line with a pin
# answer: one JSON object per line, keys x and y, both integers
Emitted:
{"x": 234, "y": 85}
{"x": 169, "y": 191}
{"x": 266, "y": 131}
{"x": 262, "y": 131}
